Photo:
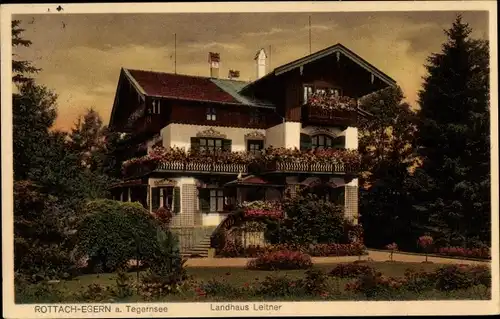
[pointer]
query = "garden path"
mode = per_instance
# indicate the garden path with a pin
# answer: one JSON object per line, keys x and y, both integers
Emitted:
{"x": 372, "y": 256}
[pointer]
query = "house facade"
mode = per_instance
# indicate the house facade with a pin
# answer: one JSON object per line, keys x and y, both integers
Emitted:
{"x": 307, "y": 105}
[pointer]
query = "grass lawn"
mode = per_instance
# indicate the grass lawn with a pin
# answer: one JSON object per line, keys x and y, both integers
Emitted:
{"x": 239, "y": 276}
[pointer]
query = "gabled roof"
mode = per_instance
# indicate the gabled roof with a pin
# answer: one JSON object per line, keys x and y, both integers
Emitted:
{"x": 192, "y": 88}
{"x": 326, "y": 52}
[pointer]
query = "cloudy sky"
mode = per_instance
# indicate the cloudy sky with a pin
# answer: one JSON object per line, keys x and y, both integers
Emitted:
{"x": 81, "y": 55}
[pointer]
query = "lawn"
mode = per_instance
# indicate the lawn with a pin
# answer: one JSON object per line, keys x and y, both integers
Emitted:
{"x": 238, "y": 276}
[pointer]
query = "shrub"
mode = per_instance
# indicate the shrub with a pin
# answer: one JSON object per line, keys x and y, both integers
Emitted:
{"x": 279, "y": 286}
{"x": 115, "y": 232}
{"x": 314, "y": 282}
{"x": 418, "y": 281}
{"x": 483, "y": 253}
{"x": 375, "y": 284}
{"x": 96, "y": 293}
{"x": 285, "y": 259}
{"x": 351, "y": 270}
{"x": 124, "y": 287}
{"x": 41, "y": 292}
{"x": 309, "y": 220}
{"x": 217, "y": 288}
{"x": 166, "y": 271}
{"x": 481, "y": 275}
{"x": 232, "y": 248}
{"x": 455, "y": 277}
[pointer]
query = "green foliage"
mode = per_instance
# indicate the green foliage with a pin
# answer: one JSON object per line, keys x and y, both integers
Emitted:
{"x": 124, "y": 287}
{"x": 309, "y": 220}
{"x": 314, "y": 282}
{"x": 22, "y": 70}
{"x": 42, "y": 235}
{"x": 279, "y": 286}
{"x": 284, "y": 259}
{"x": 351, "y": 270}
{"x": 218, "y": 288}
{"x": 95, "y": 293}
{"x": 167, "y": 271}
{"x": 113, "y": 233}
{"x": 454, "y": 142}
{"x": 386, "y": 145}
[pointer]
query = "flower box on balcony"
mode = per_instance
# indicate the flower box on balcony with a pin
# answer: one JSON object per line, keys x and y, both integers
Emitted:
{"x": 327, "y": 108}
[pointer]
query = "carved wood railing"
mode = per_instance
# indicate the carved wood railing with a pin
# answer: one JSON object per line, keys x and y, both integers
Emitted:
{"x": 289, "y": 166}
{"x": 202, "y": 167}
{"x": 326, "y": 116}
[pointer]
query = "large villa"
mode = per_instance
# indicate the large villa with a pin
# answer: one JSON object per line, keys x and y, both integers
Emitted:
{"x": 203, "y": 145}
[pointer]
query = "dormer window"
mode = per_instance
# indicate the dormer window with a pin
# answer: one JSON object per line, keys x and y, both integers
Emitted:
{"x": 211, "y": 114}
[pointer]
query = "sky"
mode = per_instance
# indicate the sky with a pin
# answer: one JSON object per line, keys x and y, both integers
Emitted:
{"x": 81, "y": 54}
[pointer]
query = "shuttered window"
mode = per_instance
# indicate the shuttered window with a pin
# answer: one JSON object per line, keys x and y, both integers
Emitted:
{"x": 305, "y": 142}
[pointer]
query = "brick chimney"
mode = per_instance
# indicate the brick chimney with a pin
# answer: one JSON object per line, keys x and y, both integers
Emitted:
{"x": 214, "y": 61}
{"x": 260, "y": 63}
{"x": 233, "y": 74}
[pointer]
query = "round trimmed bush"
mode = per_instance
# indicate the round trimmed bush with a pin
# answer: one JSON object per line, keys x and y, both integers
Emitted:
{"x": 113, "y": 232}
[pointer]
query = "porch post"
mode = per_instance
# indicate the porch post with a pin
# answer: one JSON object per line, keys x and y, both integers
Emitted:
{"x": 129, "y": 194}
{"x": 121, "y": 194}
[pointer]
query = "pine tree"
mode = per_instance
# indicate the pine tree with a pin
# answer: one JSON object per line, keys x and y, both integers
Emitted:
{"x": 454, "y": 140}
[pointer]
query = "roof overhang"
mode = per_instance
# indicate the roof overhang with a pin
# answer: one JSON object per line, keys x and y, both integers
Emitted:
{"x": 335, "y": 49}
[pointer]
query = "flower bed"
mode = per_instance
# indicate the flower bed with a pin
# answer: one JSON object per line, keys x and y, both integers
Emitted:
{"x": 281, "y": 260}
{"x": 480, "y": 253}
{"x": 318, "y": 250}
{"x": 262, "y": 209}
{"x": 447, "y": 278}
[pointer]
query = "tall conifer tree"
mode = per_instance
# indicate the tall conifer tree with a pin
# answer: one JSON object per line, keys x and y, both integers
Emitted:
{"x": 454, "y": 142}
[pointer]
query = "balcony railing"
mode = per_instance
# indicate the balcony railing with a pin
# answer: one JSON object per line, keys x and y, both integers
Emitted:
{"x": 298, "y": 167}
{"x": 315, "y": 115}
{"x": 202, "y": 167}
{"x": 322, "y": 108}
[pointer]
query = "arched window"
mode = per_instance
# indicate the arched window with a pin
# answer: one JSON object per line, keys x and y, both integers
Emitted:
{"x": 321, "y": 141}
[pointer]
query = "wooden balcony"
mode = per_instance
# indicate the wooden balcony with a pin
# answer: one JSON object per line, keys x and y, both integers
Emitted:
{"x": 202, "y": 168}
{"x": 290, "y": 167}
{"x": 312, "y": 115}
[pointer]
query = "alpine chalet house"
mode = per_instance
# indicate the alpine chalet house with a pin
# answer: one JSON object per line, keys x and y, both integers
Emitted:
{"x": 225, "y": 141}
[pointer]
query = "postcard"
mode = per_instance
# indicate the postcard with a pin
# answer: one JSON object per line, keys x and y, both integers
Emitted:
{"x": 249, "y": 159}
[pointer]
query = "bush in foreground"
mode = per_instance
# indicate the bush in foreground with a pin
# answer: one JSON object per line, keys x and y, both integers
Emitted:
{"x": 351, "y": 270}
{"x": 114, "y": 232}
{"x": 281, "y": 260}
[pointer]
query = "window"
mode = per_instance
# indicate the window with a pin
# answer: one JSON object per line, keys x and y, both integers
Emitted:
{"x": 255, "y": 146}
{"x": 216, "y": 200}
{"x": 321, "y": 141}
{"x": 210, "y": 144}
{"x": 255, "y": 117}
{"x": 310, "y": 90}
{"x": 211, "y": 114}
{"x": 166, "y": 197}
{"x": 156, "y": 107}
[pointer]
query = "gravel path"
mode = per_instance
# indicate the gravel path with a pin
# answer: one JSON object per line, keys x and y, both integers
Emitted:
{"x": 372, "y": 256}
